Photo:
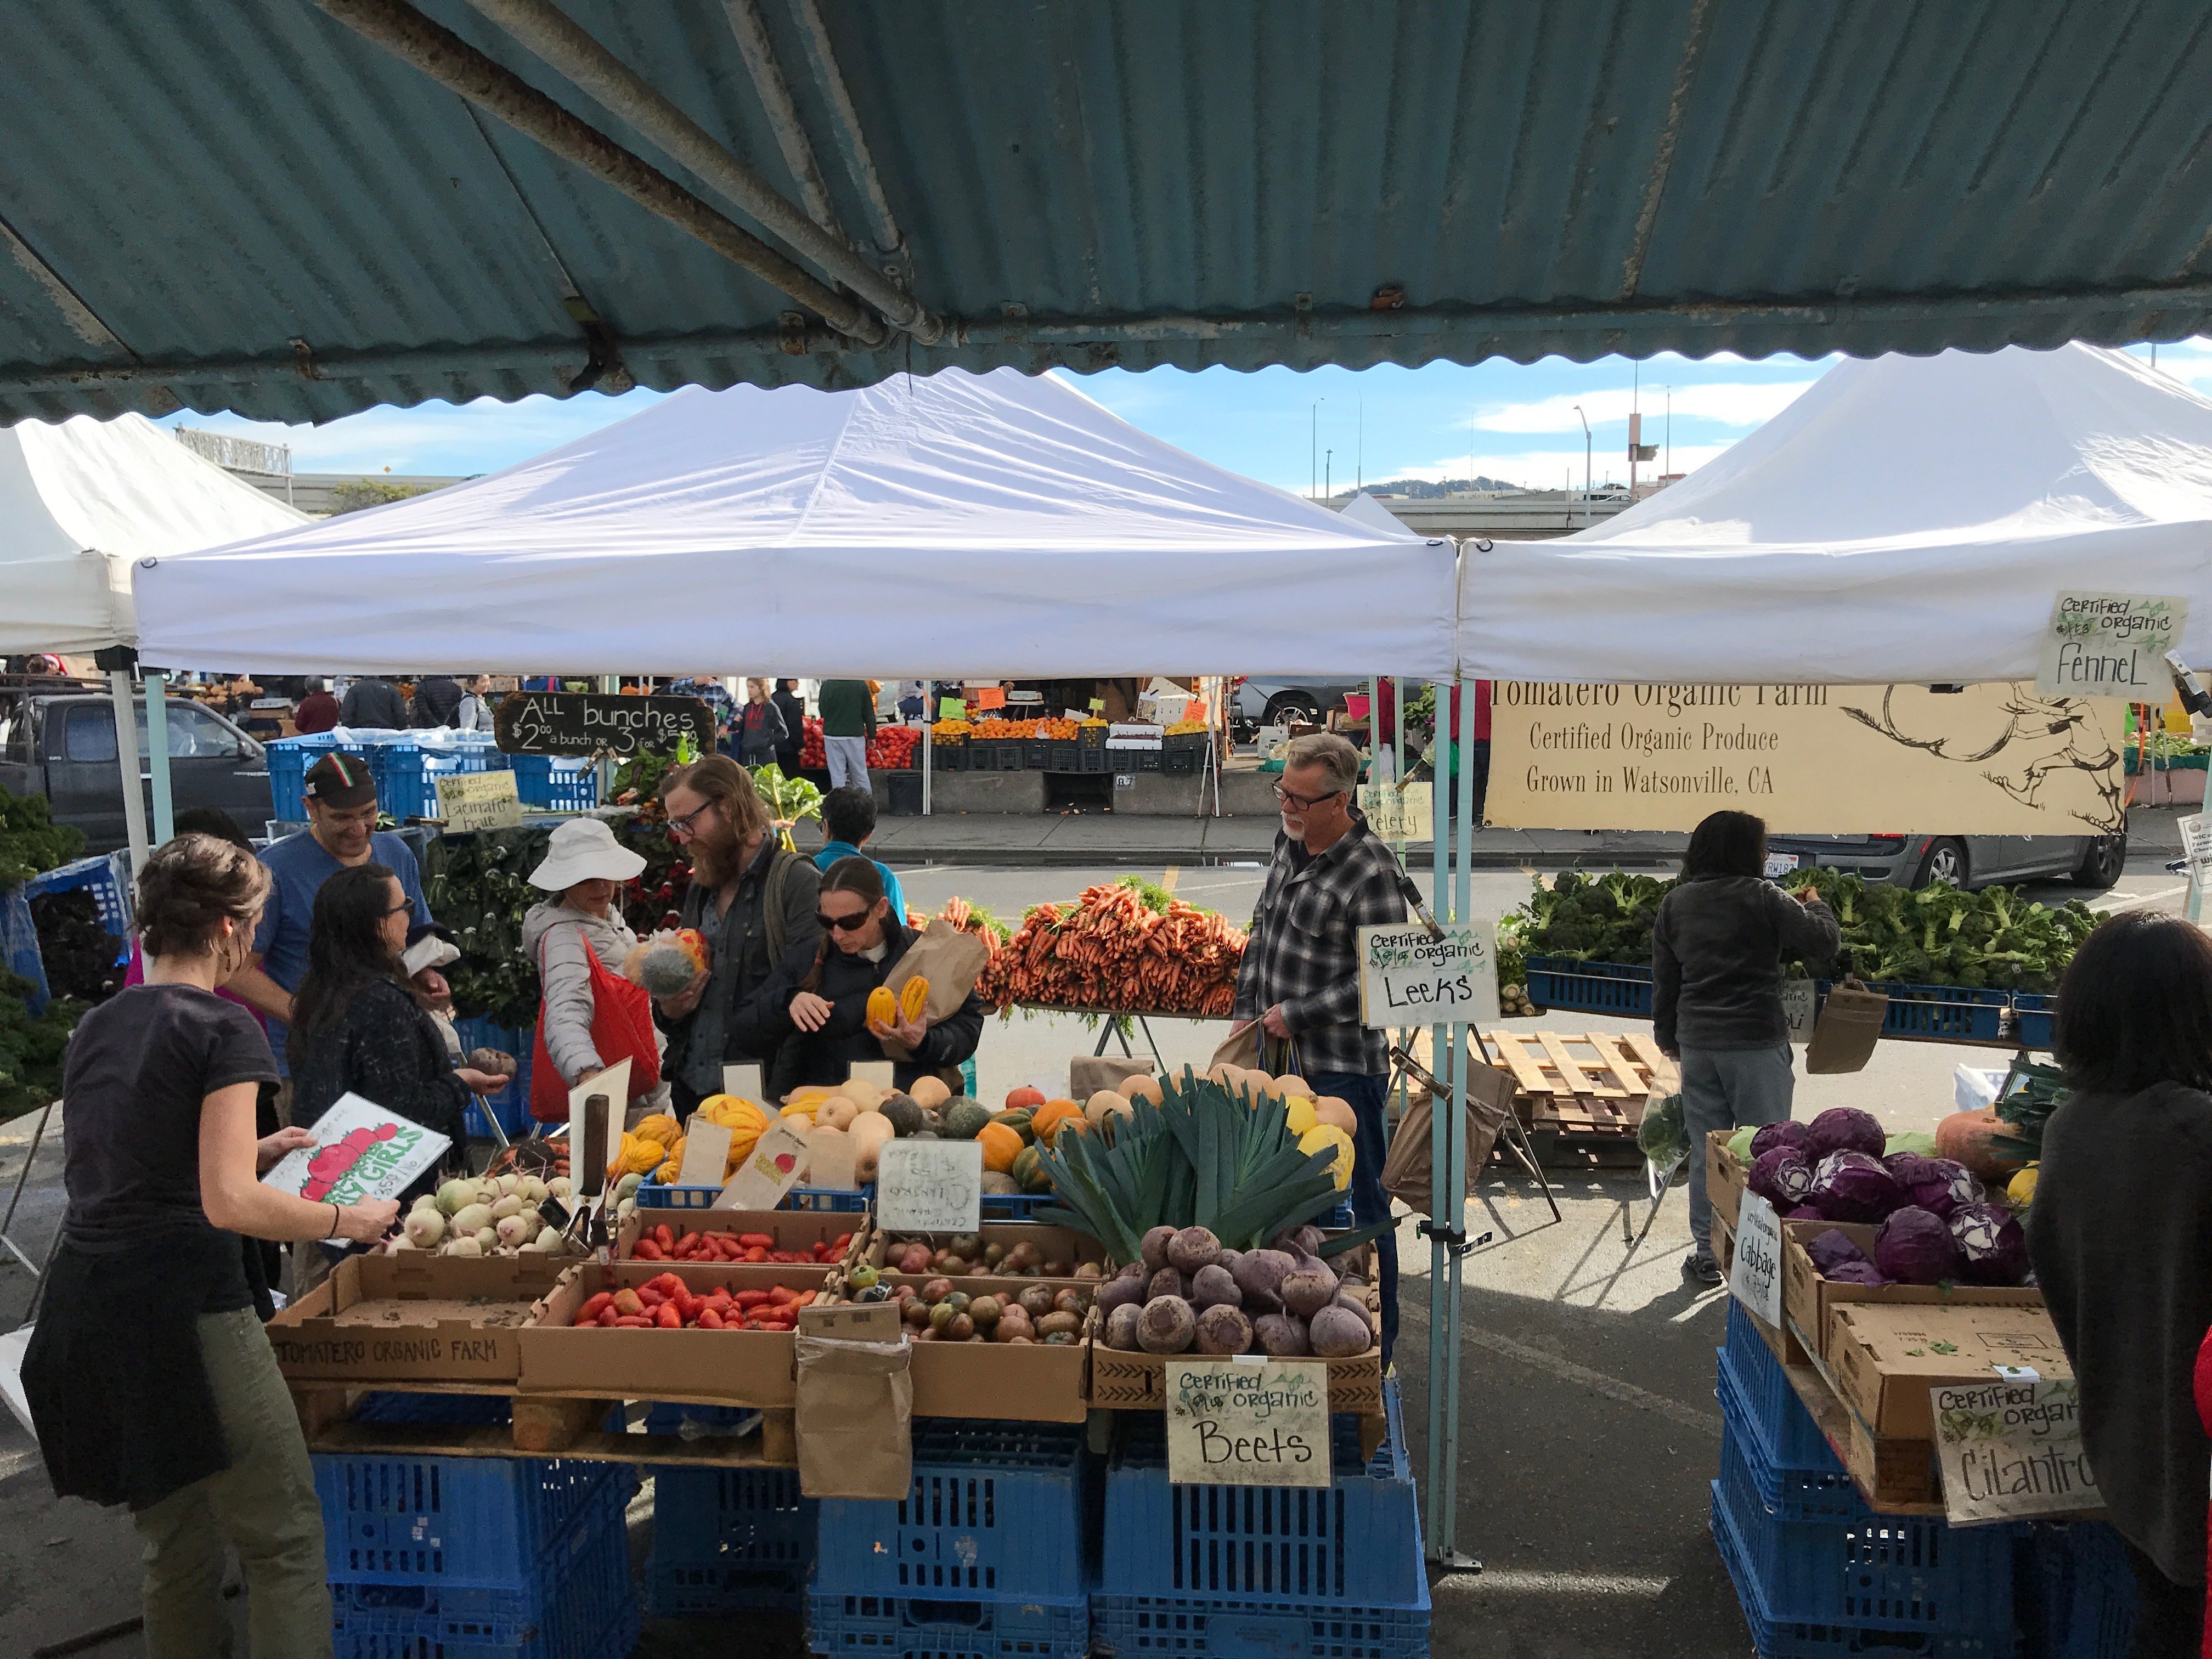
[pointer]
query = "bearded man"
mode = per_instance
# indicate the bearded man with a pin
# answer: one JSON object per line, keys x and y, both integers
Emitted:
{"x": 752, "y": 901}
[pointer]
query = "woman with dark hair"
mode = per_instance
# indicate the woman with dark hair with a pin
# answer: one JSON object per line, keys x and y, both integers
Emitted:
{"x": 1718, "y": 946}
{"x": 813, "y": 1011}
{"x": 149, "y": 1376}
{"x": 2120, "y": 1234}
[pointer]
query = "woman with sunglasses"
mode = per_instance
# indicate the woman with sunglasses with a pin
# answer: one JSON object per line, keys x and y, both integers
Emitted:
{"x": 815, "y": 1006}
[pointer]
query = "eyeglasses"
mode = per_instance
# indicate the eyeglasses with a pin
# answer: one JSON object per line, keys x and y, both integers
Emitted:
{"x": 1303, "y": 803}
{"x": 405, "y": 907}
{"x": 842, "y": 924}
{"x": 682, "y": 827}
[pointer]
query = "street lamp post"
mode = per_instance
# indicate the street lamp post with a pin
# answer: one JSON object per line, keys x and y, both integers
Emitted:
{"x": 1585, "y": 419}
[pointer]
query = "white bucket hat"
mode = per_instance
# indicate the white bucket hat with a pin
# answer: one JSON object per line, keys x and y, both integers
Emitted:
{"x": 583, "y": 849}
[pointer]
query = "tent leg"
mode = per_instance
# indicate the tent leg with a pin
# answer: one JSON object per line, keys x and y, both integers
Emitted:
{"x": 157, "y": 753}
{"x": 929, "y": 740}
{"x": 126, "y": 759}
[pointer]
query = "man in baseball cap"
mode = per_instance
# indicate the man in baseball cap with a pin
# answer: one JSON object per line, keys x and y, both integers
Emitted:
{"x": 341, "y": 833}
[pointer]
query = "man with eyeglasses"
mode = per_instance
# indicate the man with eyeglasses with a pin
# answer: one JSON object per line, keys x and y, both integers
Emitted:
{"x": 1330, "y": 877}
{"x": 752, "y": 901}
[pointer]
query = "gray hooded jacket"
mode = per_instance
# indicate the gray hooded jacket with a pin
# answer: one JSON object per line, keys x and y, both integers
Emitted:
{"x": 555, "y": 939}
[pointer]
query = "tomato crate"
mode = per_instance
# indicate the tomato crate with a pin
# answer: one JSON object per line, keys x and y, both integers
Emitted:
{"x": 725, "y": 1540}
{"x": 1561, "y": 983}
{"x": 1356, "y": 1542}
{"x": 653, "y": 1196}
{"x": 2077, "y": 1593}
{"x": 483, "y": 1522}
{"x": 996, "y": 1510}
{"x": 1255, "y": 1627}
{"x": 933, "y": 1627}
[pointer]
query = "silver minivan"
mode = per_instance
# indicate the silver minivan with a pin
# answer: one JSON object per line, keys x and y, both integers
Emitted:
{"x": 1914, "y": 861}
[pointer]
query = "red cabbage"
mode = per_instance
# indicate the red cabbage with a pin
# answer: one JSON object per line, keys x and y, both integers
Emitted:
{"x": 1911, "y": 1168}
{"x": 1805, "y": 1213}
{"x": 1990, "y": 1241}
{"x": 1781, "y": 1177}
{"x": 1857, "y": 1273}
{"x": 1852, "y": 1186}
{"x": 1915, "y": 1248}
{"x": 1831, "y": 1250}
{"x": 1788, "y": 1132}
{"x": 1845, "y": 1129}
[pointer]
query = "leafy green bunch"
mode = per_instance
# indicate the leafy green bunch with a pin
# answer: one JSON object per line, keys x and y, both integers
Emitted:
{"x": 1605, "y": 919}
{"x": 479, "y": 887}
{"x": 31, "y": 842}
{"x": 31, "y": 1049}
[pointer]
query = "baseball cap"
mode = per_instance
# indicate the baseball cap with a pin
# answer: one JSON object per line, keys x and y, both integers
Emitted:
{"x": 340, "y": 781}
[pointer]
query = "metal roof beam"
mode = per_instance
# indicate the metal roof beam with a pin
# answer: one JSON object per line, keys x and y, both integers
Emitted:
{"x": 549, "y": 33}
{"x": 454, "y": 63}
{"x": 852, "y": 141}
{"x": 775, "y": 93}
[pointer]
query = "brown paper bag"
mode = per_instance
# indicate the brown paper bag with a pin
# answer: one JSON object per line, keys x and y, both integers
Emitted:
{"x": 1088, "y": 1074}
{"x": 951, "y": 960}
{"x": 1248, "y": 1047}
{"x": 853, "y": 1418}
{"x": 1408, "y": 1168}
{"x": 1849, "y": 1027}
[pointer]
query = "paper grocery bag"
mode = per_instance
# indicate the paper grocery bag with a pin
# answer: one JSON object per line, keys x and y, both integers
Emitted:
{"x": 1408, "y": 1168}
{"x": 1088, "y": 1074}
{"x": 951, "y": 960}
{"x": 1849, "y": 1027}
{"x": 853, "y": 1418}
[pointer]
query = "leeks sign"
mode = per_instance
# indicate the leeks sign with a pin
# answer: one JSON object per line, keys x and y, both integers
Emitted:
{"x": 1408, "y": 977}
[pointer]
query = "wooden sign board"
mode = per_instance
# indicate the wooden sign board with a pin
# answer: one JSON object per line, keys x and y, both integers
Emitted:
{"x": 477, "y": 800}
{"x": 1247, "y": 1420}
{"x": 580, "y": 723}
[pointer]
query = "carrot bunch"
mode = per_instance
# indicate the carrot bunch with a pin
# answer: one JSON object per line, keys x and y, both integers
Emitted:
{"x": 1114, "y": 951}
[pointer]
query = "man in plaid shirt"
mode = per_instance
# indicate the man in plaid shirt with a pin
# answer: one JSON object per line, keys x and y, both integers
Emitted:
{"x": 1300, "y": 975}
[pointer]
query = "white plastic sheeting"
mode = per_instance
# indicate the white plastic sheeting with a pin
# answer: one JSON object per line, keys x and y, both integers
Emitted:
{"x": 81, "y": 501}
{"x": 954, "y": 525}
{"x": 1906, "y": 519}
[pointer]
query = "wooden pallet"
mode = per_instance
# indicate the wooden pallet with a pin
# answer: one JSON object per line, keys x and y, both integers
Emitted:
{"x": 544, "y": 1425}
{"x": 1597, "y": 1083}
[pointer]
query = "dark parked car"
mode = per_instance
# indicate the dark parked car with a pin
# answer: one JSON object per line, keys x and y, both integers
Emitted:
{"x": 61, "y": 744}
{"x": 1914, "y": 861}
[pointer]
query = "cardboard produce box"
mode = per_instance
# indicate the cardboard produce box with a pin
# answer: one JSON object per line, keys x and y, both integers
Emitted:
{"x": 414, "y": 1318}
{"x": 1062, "y": 1244}
{"x": 1122, "y": 1381}
{"x": 792, "y": 1230}
{"x": 1809, "y": 1301}
{"x": 1886, "y": 1358}
{"x": 1724, "y": 1176}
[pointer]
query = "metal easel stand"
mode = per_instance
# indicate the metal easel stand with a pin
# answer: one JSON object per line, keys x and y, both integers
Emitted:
{"x": 1109, "y": 1027}
{"x": 1656, "y": 1181}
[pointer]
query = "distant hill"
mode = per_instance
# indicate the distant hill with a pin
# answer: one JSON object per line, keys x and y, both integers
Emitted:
{"x": 1421, "y": 489}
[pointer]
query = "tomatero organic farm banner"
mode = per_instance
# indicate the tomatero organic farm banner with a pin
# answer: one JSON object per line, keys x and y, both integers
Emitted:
{"x": 1998, "y": 759}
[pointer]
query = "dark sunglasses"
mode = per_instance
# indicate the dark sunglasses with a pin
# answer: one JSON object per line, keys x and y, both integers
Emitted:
{"x": 842, "y": 924}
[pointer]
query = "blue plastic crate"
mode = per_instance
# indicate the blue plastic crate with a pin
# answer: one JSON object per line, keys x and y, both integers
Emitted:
{"x": 1886, "y": 1572}
{"x": 289, "y": 760}
{"x": 1950, "y": 1011}
{"x": 1356, "y": 1542}
{"x": 1776, "y": 1639}
{"x": 1015, "y": 1206}
{"x": 407, "y": 773}
{"x": 511, "y": 1106}
{"x": 2077, "y": 1597}
{"x": 728, "y": 1538}
{"x": 700, "y": 1422}
{"x": 2036, "y": 1015}
{"x": 107, "y": 877}
{"x": 935, "y": 1628}
{"x": 996, "y": 1509}
{"x": 1788, "y": 1434}
{"x": 481, "y": 1523}
{"x": 1816, "y": 1488}
{"x": 1225, "y": 1627}
{"x": 553, "y": 785}
{"x": 19, "y": 949}
{"x": 1595, "y": 988}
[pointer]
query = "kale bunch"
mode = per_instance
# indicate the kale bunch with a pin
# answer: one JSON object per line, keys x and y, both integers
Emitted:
{"x": 31, "y": 1049}
{"x": 31, "y": 842}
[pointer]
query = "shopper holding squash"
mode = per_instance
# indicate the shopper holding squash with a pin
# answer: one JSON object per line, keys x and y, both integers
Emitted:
{"x": 149, "y": 1376}
{"x": 2120, "y": 1234}
{"x": 816, "y": 1007}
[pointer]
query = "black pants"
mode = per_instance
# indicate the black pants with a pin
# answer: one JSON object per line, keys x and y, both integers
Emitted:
{"x": 2169, "y": 1617}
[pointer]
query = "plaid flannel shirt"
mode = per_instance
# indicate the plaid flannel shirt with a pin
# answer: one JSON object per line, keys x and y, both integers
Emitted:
{"x": 1304, "y": 952}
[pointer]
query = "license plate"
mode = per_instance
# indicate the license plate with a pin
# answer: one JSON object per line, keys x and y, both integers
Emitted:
{"x": 1779, "y": 865}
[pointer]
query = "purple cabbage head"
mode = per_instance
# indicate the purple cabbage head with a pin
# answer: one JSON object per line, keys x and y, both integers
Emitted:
{"x": 1916, "y": 1248}
{"x": 1937, "y": 1184}
{"x": 1857, "y": 1273}
{"x": 1845, "y": 1129}
{"x": 1832, "y": 1249}
{"x": 1993, "y": 1248}
{"x": 1853, "y": 1186}
{"x": 1781, "y": 1177}
{"x": 1788, "y": 1132}
{"x": 1804, "y": 1212}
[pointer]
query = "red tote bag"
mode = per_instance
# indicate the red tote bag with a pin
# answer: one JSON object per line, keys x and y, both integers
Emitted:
{"x": 621, "y": 1028}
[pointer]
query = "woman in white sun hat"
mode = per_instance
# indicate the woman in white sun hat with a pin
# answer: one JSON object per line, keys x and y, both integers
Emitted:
{"x": 590, "y": 1016}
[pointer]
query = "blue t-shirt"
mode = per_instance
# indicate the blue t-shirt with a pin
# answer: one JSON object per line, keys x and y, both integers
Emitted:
{"x": 845, "y": 849}
{"x": 298, "y": 865}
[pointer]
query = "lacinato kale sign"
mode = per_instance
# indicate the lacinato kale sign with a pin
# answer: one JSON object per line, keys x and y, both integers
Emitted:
{"x": 580, "y": 723}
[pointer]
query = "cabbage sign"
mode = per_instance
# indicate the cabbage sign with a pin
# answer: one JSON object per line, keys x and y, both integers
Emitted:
{"x": 1755, "y": 1274}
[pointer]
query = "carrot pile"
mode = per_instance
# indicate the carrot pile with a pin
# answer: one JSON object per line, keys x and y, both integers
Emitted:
{"x": 1115, "y": 949}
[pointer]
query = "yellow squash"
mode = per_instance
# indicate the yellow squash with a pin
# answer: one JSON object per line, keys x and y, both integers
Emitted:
{"x": 913, "y": 997}
{"x": 883, "y": 1007}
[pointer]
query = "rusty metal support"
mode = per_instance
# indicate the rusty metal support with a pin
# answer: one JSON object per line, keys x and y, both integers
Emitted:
{"x": 551, "y": 35}
{"x": 782, "y": 111}
{"x": 454, "y": 63}
{"x": 852, "y": 141}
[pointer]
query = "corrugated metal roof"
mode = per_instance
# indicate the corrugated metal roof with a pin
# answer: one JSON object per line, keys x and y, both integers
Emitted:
{"x": 192, "y": 189}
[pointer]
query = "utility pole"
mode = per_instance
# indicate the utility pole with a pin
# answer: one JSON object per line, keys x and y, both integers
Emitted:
{"x": 1327, "y": 473}
{"x": 1360, "y": 454}
{"x": 1670, "y": 431}
{"x": 1585, "y": 419}
{"x": 1313, "y": 450}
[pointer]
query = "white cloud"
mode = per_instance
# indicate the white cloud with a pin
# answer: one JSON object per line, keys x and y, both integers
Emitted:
{"x": 1740, "y": 403}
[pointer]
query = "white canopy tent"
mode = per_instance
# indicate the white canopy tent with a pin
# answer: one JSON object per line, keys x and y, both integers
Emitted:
{"x": 954, "y": 525}
{"x": 1906, "y": 519}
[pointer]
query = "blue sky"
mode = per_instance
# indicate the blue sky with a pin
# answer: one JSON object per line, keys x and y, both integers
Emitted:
{"x": 1508, "y": 421}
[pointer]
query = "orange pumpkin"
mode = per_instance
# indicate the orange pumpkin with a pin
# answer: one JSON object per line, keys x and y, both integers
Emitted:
{"x": 1001, "y": 1146}
{"x": 1024, "y": 1096}
{"x": 1049, "y": 1114}
{"x": 1965, "y": 1138}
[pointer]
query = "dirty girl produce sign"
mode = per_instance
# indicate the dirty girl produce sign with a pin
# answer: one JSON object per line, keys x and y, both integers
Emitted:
{"x": 2001, "y": 759}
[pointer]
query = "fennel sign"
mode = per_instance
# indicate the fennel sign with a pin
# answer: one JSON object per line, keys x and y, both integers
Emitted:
{"x": 2108, "y": 645}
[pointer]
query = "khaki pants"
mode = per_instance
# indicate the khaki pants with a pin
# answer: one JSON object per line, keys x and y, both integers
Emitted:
{"x": 264, "y": 1506}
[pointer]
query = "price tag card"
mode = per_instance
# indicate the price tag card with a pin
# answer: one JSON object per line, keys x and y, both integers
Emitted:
{"x": 773, "y": 1169}
{"x": 829, "y": 1159}
{"x": 478, "y": 801}
{"x": 1098, "y": 705}
{"x": 990, "y": 697}
{"x": 1135, "y": 734}
{"x": 1407, "y": 977}
{"x": 2195, "y": 842}
{"x": 2010, "y": 1448}
{"x": 877, "y": 1071}
{"x": 706, "y": 1153}
{"x": 1755, "y": 1276}
{"x": 743, "y": 1081}
{"x": 1246, "y": 1420}
{"x": 930, "y": 1186}
{"x": 951, "y": 708}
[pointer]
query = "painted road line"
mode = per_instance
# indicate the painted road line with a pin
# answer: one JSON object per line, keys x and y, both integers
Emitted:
{"x": 1523, "y": 1581}
{"x": 1567, "y": 1370}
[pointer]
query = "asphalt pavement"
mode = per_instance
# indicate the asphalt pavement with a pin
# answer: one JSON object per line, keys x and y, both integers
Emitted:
{"x": 1588, "y": 1428}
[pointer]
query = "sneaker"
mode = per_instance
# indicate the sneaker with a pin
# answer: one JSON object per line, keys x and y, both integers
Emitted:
{"x": 1701, "y": 1267}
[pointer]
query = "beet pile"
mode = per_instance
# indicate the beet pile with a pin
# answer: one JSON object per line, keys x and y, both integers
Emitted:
{"x": 1189, "y": 1294}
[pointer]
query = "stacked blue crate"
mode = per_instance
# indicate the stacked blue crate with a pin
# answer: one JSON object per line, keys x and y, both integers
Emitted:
{"x": 2077, "y": 1593}
{"x": 1248, "y": 1572}
{"x": 725, "y": 1540}
{"x": 511, "y": 1106}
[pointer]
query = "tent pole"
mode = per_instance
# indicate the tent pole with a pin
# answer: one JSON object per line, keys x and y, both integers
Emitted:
{"x": 126, "y": 758}
{"x": 1444, "y": 1331}
{"x": 157, "y": 753}
{"x": 929, "y": 739}
{"x": 1443, "y": 1480}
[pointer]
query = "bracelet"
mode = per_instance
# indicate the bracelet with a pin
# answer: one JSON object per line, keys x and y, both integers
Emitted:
{"x": 337, "y": 1220}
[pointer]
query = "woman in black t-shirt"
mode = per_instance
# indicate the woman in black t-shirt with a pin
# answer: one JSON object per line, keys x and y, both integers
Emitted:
{"x": 149, "y": 1375}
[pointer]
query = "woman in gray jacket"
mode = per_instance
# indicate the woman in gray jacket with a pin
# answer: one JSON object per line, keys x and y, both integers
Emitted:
{"x": 1719, "y": 948}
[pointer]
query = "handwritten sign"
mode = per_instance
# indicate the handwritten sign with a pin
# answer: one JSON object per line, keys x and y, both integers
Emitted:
{"x": 951, "y": 708}
{"x": 1755, "y": 1275}
{"x": 1135, "y": 734}
{"x": 1407, "y": 977}
{"x": 772, "y": 1171}
{"x": 2011, "y": 1448}
{"x": 614, "y": 1083}
{"x": 990, "y": 697}
{"x": 2196, "y": 842}
{"x": 478, "y": 801}
{"x": 930, "y": 1186}
{"x": 577, "y": 723}
{"x": 877, "y": 1071}
{"x": 743, "y": 1079}
{"x": 361, "y": 1151}
{"x": 706, "y": 1153}
{"x": 829, "y": 1159}
{"x": 1395, "y": 814}
{"x": 1247, "y": 1421}
{"x": 2108, "y": 645}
